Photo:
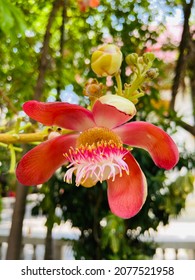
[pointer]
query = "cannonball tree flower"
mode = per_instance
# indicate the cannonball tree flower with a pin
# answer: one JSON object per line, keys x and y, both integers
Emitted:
{"x": 94, "y": 150}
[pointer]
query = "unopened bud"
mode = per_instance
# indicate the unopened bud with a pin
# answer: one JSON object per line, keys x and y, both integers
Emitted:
{"x": 131, "y": 59}
{"x": 93, "y": 89}
{"x": 148, "y": 57}
{"x": 122, "y": 104}
{"x": 152, "y": 73}
{"x": 106, "y": 60}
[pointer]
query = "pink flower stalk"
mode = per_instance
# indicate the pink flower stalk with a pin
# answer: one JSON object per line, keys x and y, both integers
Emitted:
{"x": 84, "y": 4}
{"x": 94, "y": 151}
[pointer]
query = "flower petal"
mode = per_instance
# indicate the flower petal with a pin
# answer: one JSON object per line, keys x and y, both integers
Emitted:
{"x": 61, "y": 114}
{"x": 39, "y": 164}
{"x": 108, "y": 115}
{"x": 156, "y": 141}
{"x": 127, "y": 194}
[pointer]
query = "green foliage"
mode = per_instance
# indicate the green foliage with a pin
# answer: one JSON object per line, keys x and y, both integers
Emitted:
{"x": 177, "y": 192}
{"x": 11, "y": 20}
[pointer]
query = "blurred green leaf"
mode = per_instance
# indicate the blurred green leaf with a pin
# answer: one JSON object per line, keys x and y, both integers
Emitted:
{"x": 11, "y": 20}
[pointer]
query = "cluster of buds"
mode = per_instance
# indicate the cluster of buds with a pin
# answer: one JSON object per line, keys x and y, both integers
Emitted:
{"x": 106, "y": 61}
{"x": 142, "y": 64}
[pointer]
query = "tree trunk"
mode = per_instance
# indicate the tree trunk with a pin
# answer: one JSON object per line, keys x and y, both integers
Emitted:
{"x": 15, "y": 237}
{"x": 48, "y": 245}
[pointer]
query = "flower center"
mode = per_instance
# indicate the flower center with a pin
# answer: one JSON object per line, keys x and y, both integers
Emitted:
{"x": 98, "y": 156}
{"x": 95, "y": 135}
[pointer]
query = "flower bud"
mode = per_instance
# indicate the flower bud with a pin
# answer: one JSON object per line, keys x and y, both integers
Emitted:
{"x": 152, "y": 73}
{"x": 122, "y": 104}
{"x": 106, "y": 60}
{"x": 93, "y": 89}
{"x": 131, "y": 59}
{"x": 148, "y": 57}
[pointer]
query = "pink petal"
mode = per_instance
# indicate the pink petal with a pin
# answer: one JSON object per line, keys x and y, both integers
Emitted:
{"x": 108, "y": 116}
{"x": 39, "y": 164}
{"x": 127, "y": 194}
{"x": 61, "y": 114}
{"x": 156, "y": 141}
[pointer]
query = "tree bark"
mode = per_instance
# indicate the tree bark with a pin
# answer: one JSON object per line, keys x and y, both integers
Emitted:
{"x": 15, "y": 237}
{"x": 48, "y": 245}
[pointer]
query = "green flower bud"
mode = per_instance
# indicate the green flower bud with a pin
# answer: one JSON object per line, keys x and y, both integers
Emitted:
{"x": 131, "y": 59}
{"x": 148, "y": 57}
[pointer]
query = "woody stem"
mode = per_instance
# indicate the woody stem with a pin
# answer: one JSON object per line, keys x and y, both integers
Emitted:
{"x": 22, "y": 138}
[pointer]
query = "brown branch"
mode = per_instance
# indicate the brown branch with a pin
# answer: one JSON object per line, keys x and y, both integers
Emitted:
{"x": 187, "y": 127}
{"x": 183, "y": 47}
{"x": 62, "y": 29}
{"x": 44, "y": 53}
{"x": 191, "y": 68}
{"x": 8, "y": 102}
{"x": 61, "y": 49}
{"x": 192, "y": 82}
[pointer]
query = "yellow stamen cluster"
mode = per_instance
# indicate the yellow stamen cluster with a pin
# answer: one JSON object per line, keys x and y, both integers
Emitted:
{"x": 93, "y": 136}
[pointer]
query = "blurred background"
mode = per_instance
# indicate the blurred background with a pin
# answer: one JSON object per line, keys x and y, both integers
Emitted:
{"x": 45, "y": 51}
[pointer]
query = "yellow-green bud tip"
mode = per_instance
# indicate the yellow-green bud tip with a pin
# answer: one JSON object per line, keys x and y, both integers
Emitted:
{"x": 131, "y": 59}
{"x": 148, "y": 57}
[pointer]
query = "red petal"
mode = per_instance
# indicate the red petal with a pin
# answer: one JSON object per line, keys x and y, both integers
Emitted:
{"x": 108, "y": 116}
{"x": 61, "y": 114}
{"x": 156, "y": 141}
{"x": 127, "y": 194}
{"x": 39, "y": 164}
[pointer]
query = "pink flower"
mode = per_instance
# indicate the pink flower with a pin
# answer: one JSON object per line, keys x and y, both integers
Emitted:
{"x": 84, "y": 4}
{"x": 94, "y": 151}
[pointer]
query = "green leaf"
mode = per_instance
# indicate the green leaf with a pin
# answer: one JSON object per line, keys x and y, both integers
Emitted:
{"x": 11, "y": 20}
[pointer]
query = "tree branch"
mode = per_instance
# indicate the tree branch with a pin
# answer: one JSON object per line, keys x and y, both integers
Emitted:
{"x": 22, "y": 138}
{"x": 184, "y": 44}
{"x": 61, "y": 48}
{"x": 187, "y": 127}
{"x": 44, "y": 53}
